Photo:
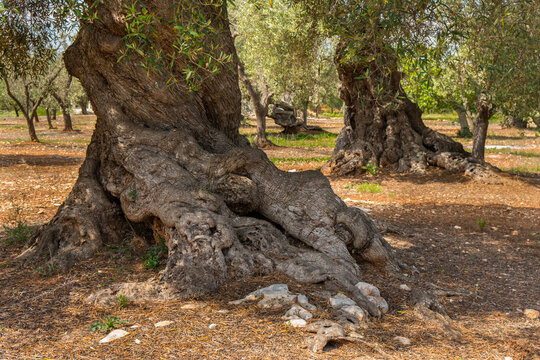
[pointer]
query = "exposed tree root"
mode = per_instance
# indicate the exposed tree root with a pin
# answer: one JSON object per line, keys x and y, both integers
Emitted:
{"x": 429, "y": 309}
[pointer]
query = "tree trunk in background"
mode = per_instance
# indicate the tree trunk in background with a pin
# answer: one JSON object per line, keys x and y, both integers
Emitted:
{"x": 305, "y": 113}
{"x": 16, "y": 110}
{"x": 260, "y": 105}
{"x": 462, "y": 117}
{"x": 49, "y": 121}
{"x": 174, "y": 162}
{"x": 386, "y": 128}
{"x": 68, "y": 125}
{"x": 84, "y": 107}
{"x": 481, "y": 123}
{"x": 54, "y": 114}
{"x": 517, "y": 122}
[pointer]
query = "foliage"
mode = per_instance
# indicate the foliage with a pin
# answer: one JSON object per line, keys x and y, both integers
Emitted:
{"x": 122, "y": 301}
{"x": 481, "y": 223}
{"x": 366, "y": 187}
{"x": 109, "y": 323}
{"x": 155, "y": 254}
{"x": 19, "y": 234}
{"x": 371, "y": 168}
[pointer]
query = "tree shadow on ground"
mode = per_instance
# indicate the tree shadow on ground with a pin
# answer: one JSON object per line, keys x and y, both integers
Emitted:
{"x": 39, "y": 160}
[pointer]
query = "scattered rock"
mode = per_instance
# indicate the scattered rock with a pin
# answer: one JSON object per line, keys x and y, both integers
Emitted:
{"x": 355, "y": 311}
{"x": 163, "y": 323}
{"x": 457, "y": 227}
{"x": 373, "y": 294}
{"x": 404, "y": 287}
{"x": 135, "y": 326}
{"x": 212, "y": 326}
{"x": 340, "y": 300}
{"x": 273, "y": 296}
{"x": 403, "y": 340}
{"x": 137, "y": 341}
{"x": 296, "y": 322}
{"x": 223, "y": 311}
{"x": 531, "y": 313}
{"x": 296, "y": 312}
{"x": 113, "y": 335}
{"x": 191, "y": 306}
{"x": 325, "y": 331}
{"x": 304, "y": 302}
{"x": 515, "y": 232}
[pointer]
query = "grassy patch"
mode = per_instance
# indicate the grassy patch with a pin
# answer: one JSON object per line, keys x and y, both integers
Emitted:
{"x": 327, "y": 140}
{"x": 514, "y": 152}
{"x": 66, "y": 141}
{"x": 291, "y": 161}
{"x": 524, "y": 169}
{"x": 366, "y": 187}
{"x": 19, "y": 234}
{"x": 448, "y": 116}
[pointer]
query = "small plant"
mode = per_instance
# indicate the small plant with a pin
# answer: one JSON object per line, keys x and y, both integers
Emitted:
{"x": 481, "y": 223}
{"x": 465, "y": 133}
{"x": 19, "y": 234}
{"x": 109, "y": 323}
{"x": 122, "y": 301}
{"x": 154, "y": 254}
{"x": 366, "y": 187}
{"x": 522, "y": 134}
{"x": 47, "y": 270}
{"x": 132, "y": 194}
{"x": 371, "y": 168}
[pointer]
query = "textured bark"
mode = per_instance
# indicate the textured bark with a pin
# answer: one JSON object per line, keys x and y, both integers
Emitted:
{"x": 481, "y": 123}
{"x": 260, "y": 105}
{"x": 16, "y": 110}
{"x": 49, "y": 121}
{"x": 175, "y": 162}
{"x": 61, "y": 99}
{"x": 385, "y": 128}
{"x": 462, "y": 117}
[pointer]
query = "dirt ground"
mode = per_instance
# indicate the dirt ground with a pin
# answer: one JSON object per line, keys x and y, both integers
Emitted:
{"x": 460, "y": 234}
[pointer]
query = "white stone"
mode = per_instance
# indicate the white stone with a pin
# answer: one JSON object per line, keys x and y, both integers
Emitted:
{"x": 297, "y": 312}
{"x": 212, "y": 326}
{"x": 457, "y": 227}
{"x": 223, "y": 311}
{"x": 304, "y": 302}
{"x": 272, "y": 290}
{"x": 135, "y": 326}
{"x": 404, "y": 287}
{"x": 355, "y": 311}
{"x": 297, "y": 322}
{"x": 292, "y": 170}
{"x": 191, "y": 306}
{"x": 380, "y": 302}
{"x": 368, "y": 289}
{"x": 531, "y": 313}
{"x": 113, "y": 335}
{"x": 163, "y": 323}
{"x": 137, "y": 341}
{"x": 340, "y": 300}
{"x": 403, "y": 340}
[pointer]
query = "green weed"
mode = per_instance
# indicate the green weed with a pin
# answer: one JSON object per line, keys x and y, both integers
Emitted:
{"x": 19, "y": 234}
{"x": 371, "y": 168}
{"x": 481, "y": 223}
{"x": 366, "y": 187}
{"x": 108, "y": 323}
{"x": 122, "y": 301}
{"x": 155, "y": 253}
{"x": 290, "y": 161}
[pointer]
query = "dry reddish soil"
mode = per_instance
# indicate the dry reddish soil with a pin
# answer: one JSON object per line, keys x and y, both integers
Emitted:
{"x": 458, "y": 233}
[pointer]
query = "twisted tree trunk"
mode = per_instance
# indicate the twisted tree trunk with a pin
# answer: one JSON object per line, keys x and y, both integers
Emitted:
{"x": 174, "y": 161}
{"x": 260, "y": 105}
{"x": 383, "y": 127}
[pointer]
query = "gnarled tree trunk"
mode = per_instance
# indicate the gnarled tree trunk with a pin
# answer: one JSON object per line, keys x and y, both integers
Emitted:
{"x": 481, "y": 123}
{"x": 383, "y": 127}
{"x": 49, "y": 121}
{"x": 174, "y": 160}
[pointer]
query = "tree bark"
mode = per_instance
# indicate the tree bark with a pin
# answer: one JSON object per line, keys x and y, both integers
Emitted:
{"x": 462, "y": 117}
{"x": 84, "y": 107}
{"x": 481, "y": 123}
{"x": 174, "y": 161}
{"x": 16, "y": 110}
{"x": 305, "y": 113}
{"x": 260, "y": 105}
{"x": 49, "y": 121}
{"x": 383, "y": 127}
{"x": 68, "y": 125}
